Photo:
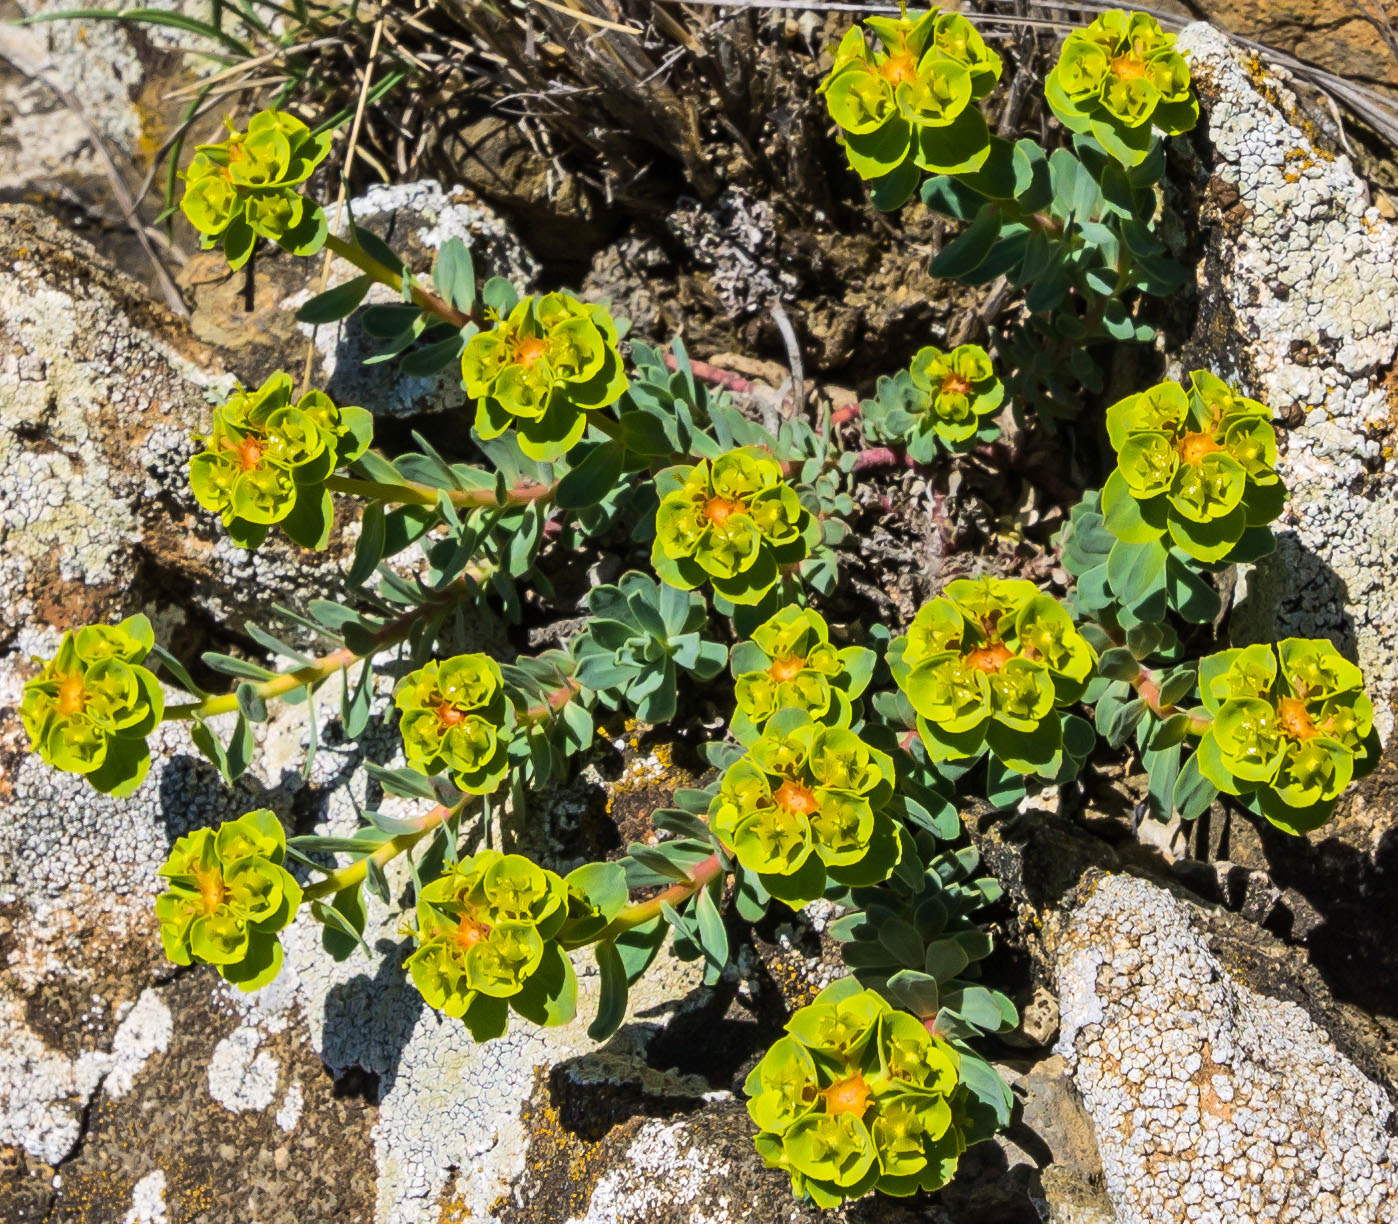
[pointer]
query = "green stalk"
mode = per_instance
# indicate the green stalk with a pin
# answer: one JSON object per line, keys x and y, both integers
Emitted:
{"x": 640, "y": 912}
{"x": 321, "y": 669}
{"x": 411, "y": 493}
{"x": 353, "y": 253}
{"x": 353, "y": 873}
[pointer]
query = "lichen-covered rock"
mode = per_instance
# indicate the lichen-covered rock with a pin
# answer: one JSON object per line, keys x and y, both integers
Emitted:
{"x": 99, "y": 392}
{"x": 1299, "y": 302}
{"x": 1210, "y": 1100}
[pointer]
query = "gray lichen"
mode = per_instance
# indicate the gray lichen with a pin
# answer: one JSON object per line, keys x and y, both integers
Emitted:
{"x": 1305, "y": 269}
{"x": 1210, "y": 1101}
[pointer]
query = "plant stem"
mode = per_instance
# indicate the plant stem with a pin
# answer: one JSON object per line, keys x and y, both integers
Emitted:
{"x": 353, "y": 253}
{"x": 352, "y": 873}
{"x": 1149, "y": 692}
{"x": 550, "y": 705}
{"x": 411, "y": 493}
{"x": 640, "y": 912}
{"x": 321, "y": 669}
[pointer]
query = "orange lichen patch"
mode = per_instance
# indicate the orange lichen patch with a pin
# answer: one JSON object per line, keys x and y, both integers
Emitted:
{"x": 469, "y": 932}
{"x": 212, "y": 892}
{"x": 899, "y": 69}
{"x": 1295, "y": 719}
{"x": 786, "y": 668}
{"x": 1193, "y": 447}
{"x": 850, "y": 1095}
{"x": 719, "y": 510}
{"x": 529, "y": 349}
{"x": 72, "y": 696}
{"x": 954, "y": 384}
{"x": 990, "y": 658}
{"x": 449, "y": 715}
{"x": 1128, "y": 66}
{"x": 793, "y": 797}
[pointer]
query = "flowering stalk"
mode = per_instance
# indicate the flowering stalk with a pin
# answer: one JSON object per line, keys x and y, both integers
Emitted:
{"x": 411, "y": 493}
{"x": 638, "y": 913}
{"x": 424, "y": 299}
{"x": 353, "y": 873}
{"x": 327, "y": 665}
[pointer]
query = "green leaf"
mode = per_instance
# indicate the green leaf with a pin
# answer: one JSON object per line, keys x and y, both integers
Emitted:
{"x": 1136, "y": 571}
{"x": 455, "y": 275}
{"x": 369, "y": 549}
{"x": 591, "y": 480}
{"x": 251, "y": 702}
{"x": 343, "y": 920}
{"x": 1118, "y": 664}
{"x": 1193, "y": 792}
{"x": 611, "y": 1004}
{"x": 1188, "y": 593}
{"x": 966, "y": 252}
{"x": 336, "y": 303}
{"x": 713, "y": 937}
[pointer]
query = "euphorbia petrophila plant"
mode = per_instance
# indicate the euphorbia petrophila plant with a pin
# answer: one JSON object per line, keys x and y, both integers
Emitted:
{"x": 841, "y": 750}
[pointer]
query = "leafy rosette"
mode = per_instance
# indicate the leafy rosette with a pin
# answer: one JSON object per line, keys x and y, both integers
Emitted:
{"x": 858, "y": 1097}
{"x": 988, "y": 666}
{"x": 227, "y": 896}
{"x": 248, "y": 187}
{"x": 1292, "y": 727}
{"x": 91, "y": 707}
{"x": 944, "y": 398}
{"x": 909, "y": 106}
{"x": 266, "y": 459}
{"x": 790, "y": 663}
{"x": 806, "y": 806}
{"x": 456, "y": 717}
{"x": 1196, "y": 466}
{"x": 1118, "y": 81}
{"x": 487, "y": 942}
{"x": 542, "y": 368}
{"x": 733, "y": 521}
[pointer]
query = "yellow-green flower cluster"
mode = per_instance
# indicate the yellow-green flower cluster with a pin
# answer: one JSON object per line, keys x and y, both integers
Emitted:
{"x": 789, "y": 663}
{"x": 1197, "y": 466}
{"x": 1290, "y": 727}
{"x": 91, "y": 707}
{"x": 543, "y": 368}
{"x": 1120, "y": 78}
{"x": 857, "y": 1097}
{"x": 733, "y": 521}
{"x": 909, "y": 106}
{"x": 807, "y": 802}
{"x": 487, "y": 943}
{"x": 266, "y": 459}
{"x": 959, "y": 388}
{"x": 987, "y": 666}
{"x": 457, "y": 717}
{"x": 228, "y": 895}
{"x": 248, "y": 186}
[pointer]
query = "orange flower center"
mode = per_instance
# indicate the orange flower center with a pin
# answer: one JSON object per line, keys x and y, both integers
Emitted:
{"x": 1128, "y": 66}
{"x": 899, "y": 69}
{"x": 719, "y": 510}
{"x": 1295, "y": 719}
{"x": 1193, "y": 447}
{"x": 991, "y": 658}
{"x": 850, "y": 1095}
{"x": 787, "y": 668}
{"x": 72, "y": 696}
{"x": 249, "y": 453}
{"x": 954, "y": 384}
{"x": 212, "y": 893}
{"x": 794, "y": 798}
{"x": 529, "y": 349}
{"x": 469, "y": 932}
{"x": 449, "y": 715}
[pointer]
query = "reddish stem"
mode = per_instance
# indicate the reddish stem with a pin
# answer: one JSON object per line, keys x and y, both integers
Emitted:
{"x": 725, "y": 380}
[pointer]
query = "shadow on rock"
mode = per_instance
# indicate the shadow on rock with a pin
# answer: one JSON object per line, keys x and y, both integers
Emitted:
{"x": 368, "y": 1022}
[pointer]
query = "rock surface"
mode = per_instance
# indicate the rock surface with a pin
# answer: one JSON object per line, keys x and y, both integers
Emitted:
{"x": 1298, "y": 300}
{"x": 1211, "y": 1101}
